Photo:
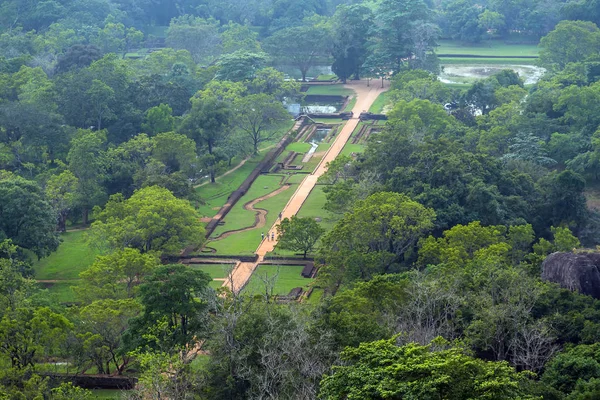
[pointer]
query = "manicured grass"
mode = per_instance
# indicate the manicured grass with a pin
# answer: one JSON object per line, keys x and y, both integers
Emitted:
{"x": 330, "y": 90}
{"x": 298, "y": 147}
{"x": 380, "y": 102}
{"x": 214, "y": 270}
{"x": 329, "y": 121}
{"x": 313, "y": 208}
{"x": 487, "y": 48}
{"x": 73, "y": 256}
{"x": 486, "y": 61}
{"x": 238, "y": 217}
{"x": 288, "y": 278}
{"x": 316, "y": 296}
{"x": 350, "y": 148}
{"x": 350, "y": 104}
{"x": 215, "y": 195}
{"x": 245, "y": 243}
{"x": 296, "y": 178}
{"x": 215, "y": 284}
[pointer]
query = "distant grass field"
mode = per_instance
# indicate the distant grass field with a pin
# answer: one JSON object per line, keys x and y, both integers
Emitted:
{"x": 486, "y": 61}
{"x": 288, "y": 278}
{"x": 316, "y": 296}
{"x": 215, "y": 271}
{"x": 350, "y": 104}
{"x": 350, "y": 148}
{"x": 313, "y": 208}
{"x": 298, "y": 147}
{"x": 380, "y": 102}
{"x": 330, "y": 90}
{"x": 486, "y": 48}
{"x": 72, "y": 257}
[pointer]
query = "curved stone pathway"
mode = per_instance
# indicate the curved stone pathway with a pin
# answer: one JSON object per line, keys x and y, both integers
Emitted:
{"x": 260, "y": 216}
{"x": 365, "y": 96}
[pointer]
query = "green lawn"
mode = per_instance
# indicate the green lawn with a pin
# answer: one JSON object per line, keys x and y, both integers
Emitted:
{"x": 72, "y": 257}
{"x": 214, "y": 270}
{"x": 298, "y": 147}
{"x": 245, "y": 243}
{"x": 215, "y": 195}
{"x": 238, "y": 217}
{"x": 380, "y": 102}
{"x": 296, "y": 178}
{"x": 486, "y": 61}
{"x": 288, "y": 277}
{"x": 350, "y": 148}
{"x": 315, "y": 296}
{"x": 350, "y": 104}
{"x": 329, "y": 121}
{"x": 330, "y": 90}
{"x": 487, "y": 48}
{"x": 313, "y": 208}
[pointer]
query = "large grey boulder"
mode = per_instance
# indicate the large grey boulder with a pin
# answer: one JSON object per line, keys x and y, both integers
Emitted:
{"x": 574, "y": 271}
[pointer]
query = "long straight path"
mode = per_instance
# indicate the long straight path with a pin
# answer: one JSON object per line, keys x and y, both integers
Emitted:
{"x": 365, "y": 96}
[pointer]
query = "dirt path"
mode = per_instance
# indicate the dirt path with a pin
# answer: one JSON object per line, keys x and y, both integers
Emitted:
{"x": 260, "y": 216}
{"x": 365, "y": 96}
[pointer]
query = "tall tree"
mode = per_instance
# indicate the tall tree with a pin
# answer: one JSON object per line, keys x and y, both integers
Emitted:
{"x": 350, "y": 31}
{"x": 61, "y": 191}
{"x": 300, "y": 46}
{"x": 258, "y": 116}
{"x": 26, "y": 217}
{"x": 299, "y": 234}
{"x": 208, "y": 123}
{"x": 374, "y": 237}
{"x": 197, "y": 35}
{"x": 86, "y": 162}
{"x": 394, "y": 22}
{"x": 150, "y": 220}
{"x": 570, "y": 41}
{"x": 178, "y": 297}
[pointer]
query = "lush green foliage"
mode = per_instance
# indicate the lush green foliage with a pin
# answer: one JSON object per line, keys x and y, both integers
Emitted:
{"x": 382, "y": 370}
{"x": 150, "y": 220}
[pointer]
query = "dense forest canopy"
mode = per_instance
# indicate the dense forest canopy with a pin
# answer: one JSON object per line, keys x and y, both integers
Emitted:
{"x": 122, "y": 121}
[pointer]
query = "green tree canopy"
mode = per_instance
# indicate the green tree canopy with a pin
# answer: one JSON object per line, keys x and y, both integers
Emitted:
{"x": 570, "y": 41}
{"x": 373, "y": 238}
{"x": 299, "y": 234}
{"x": 382, "y": 370}
{"x": 26, "y": 217}
{"x": 178, "y": 297}
{"x": 151, "y": 220}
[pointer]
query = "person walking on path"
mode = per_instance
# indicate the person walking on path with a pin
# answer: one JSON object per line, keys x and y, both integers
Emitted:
{"x": 262, "y": 236}
{"x": 280, "y": 216}
{"x": 272, "y": 236}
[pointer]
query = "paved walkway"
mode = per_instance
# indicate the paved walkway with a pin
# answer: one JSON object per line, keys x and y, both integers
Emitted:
{"x": 365, "y": 96}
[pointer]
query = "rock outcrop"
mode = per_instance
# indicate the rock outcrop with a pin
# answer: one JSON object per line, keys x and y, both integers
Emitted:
{"x": 574, "y": 271}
